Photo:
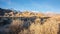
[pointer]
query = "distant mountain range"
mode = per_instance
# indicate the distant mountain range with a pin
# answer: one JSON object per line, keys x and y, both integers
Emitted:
{"x": 8, "y": 12}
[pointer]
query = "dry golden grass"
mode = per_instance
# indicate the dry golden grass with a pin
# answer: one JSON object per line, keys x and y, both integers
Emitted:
{"x": 50, "y": 26}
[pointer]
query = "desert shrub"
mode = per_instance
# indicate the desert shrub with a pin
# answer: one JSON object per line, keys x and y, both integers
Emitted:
{"x": 15, "y": 26}
{"x": 5, "y": 21}
{"x": 49, "y": 27}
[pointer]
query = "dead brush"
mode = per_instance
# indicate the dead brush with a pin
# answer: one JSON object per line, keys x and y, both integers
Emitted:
{"x": 49, "y": 27}
{"x": 16, "y": 26}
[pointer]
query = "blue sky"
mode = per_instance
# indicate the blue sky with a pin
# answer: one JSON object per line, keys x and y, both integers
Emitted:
{"x": 32, "y": 5}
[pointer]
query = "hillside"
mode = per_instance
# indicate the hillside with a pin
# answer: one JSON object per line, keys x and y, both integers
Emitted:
{"x": 14, "y": 22}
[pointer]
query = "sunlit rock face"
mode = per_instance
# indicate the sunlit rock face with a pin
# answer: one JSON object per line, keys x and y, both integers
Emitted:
{"x": 28, "y": 23}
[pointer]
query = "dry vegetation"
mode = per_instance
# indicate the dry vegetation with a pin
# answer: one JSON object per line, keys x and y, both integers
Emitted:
{"x": 28, "y": 23}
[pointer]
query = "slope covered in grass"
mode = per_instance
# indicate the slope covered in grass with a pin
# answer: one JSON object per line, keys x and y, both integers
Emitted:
{"x": 14, "y": 22}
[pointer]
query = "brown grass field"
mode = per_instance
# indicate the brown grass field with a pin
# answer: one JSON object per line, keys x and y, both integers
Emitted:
{"x": 29, "y": 23}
